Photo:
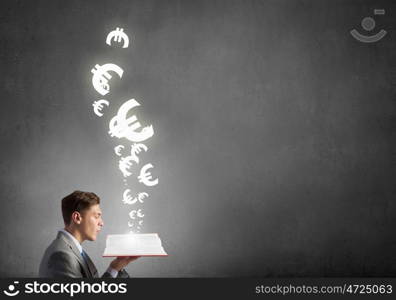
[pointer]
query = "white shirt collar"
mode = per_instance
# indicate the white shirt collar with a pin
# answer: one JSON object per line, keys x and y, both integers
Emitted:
{"x": 78, "y": 245}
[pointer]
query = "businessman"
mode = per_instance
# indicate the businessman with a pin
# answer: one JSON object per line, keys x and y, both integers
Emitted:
{"x": 65, "y": 256}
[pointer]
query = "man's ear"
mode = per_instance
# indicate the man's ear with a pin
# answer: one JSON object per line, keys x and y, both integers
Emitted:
{"x": 76, "y": 217}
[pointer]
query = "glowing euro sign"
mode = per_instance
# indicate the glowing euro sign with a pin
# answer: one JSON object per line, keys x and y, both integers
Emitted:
{"x": 136, "y": 213}
{"x": 131, "y": 224}
{"x": 136, "y": 149}
{"x": 118, "y": 35}
{"x": 118, "y": 149}
{"x": 123, "y": 127}
{"x": 145, "y": 177}
{"x": 98, "y": 106}
{"x": 125, "y": 164}
{"x": 127, "y": 199}
{"x": 101, "y": 77}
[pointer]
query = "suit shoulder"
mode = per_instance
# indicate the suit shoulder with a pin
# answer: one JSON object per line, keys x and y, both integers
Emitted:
{"x": 61, "y": 264}
{"x": 58, "y": 256}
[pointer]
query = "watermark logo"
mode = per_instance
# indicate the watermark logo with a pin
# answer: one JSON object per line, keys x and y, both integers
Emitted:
{"x": 12, "y": 291}
{"x": 368, "y": 24}
{"x": 68, "y": 288}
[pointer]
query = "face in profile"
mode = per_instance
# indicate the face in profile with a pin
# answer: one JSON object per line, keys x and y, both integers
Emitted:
{"x": 91, "y": 222}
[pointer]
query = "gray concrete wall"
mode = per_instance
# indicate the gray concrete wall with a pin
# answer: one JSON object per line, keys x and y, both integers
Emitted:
{"x": 274, "y": 133}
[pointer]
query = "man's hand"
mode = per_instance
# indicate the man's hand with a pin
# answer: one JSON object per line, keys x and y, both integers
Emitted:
{"x": 122, "y": 261}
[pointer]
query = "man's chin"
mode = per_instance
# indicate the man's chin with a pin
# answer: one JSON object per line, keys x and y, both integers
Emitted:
{"x": 92, "y": 238}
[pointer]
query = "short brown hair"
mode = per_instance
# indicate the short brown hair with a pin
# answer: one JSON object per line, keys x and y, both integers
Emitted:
{"x": 77, "y": 201}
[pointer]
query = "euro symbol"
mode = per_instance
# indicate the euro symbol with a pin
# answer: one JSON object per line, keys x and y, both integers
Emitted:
{"x": 122, "y": 127}
{"x": 118, "y": 149}
{"x": 126, "y": 197}
{"x": 145, "y": 177}
{"x": 136, "y": 213}
{"x": 136, "y": 149}
{"x": 125, "y": 164}
{"x": 141, "y": 196}
{"x": 98, "y": 106}
{"x": 101, "y": 76}
{"x": 118, "y": 35}
{"x": 132, "y": 214}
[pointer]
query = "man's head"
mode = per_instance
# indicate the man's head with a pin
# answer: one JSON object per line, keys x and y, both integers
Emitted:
{"x": 81, "y": 213}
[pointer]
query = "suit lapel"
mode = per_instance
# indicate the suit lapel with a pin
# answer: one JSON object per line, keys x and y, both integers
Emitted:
{"x": 76, "y": 252}
{"x": 91, "y": 266}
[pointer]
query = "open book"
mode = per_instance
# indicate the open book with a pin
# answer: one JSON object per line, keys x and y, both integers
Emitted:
{"x": 143, "y": 244}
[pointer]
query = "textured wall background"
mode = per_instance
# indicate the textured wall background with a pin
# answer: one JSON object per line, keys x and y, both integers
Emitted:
{"x": 274, "y": 144}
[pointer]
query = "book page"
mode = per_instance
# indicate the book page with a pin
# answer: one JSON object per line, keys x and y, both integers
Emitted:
{"x": 148, "y": 244}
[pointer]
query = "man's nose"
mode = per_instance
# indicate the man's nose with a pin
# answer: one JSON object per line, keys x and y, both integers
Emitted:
{"x": 101, "y": 223}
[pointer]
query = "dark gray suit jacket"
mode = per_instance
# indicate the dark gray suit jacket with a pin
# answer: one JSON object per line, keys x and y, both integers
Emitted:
{"x": 62, "y": 259}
